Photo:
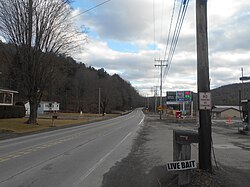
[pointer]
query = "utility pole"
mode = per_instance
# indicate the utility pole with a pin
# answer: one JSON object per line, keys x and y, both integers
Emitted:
{"x": 161, "y": 66}
{"x": 204, "y": 96}
{"x": 155, "y": 94}
{"x": 99, "y": 101}
{"x": 242, "y": 85}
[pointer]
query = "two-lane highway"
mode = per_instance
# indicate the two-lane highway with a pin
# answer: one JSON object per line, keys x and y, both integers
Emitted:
{"x": 76, "y": 156}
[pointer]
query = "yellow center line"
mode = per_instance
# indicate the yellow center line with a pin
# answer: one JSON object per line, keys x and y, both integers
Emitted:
{"x": 51, "y": 143}
{"x": 37, "y": 147}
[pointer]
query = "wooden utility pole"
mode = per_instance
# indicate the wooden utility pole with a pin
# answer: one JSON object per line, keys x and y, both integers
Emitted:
{"x": 155, "y": 94}
{"x": 204, "y": 97}
{"x": 161, "y": 65}
{"x": 99, "y": 100}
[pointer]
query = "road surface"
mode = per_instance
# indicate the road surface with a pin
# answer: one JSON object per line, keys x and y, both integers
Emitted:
{"x": 76, "y": 156}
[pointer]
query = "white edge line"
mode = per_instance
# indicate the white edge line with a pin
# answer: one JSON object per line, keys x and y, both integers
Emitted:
{"x": 100, "y": 161}
{"x": 141, "y": 120}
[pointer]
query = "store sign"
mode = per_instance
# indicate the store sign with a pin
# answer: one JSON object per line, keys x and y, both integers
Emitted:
{"x": 179, "y": 96}
{"x": 181, "y": 165}
{"x": 171, "y": 96}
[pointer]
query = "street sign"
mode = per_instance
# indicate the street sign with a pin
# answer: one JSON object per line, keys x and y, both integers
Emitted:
{"x": 244, "y": 78}
{"x": 181, "y": 165}
{"x": 205, "y": 101}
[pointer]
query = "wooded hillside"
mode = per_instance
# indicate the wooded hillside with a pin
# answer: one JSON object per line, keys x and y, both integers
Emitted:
{"x": 75, "y": 86}
{"x": 229, "y": 94}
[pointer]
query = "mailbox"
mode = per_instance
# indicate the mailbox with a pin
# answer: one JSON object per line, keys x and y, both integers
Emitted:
{"x": 182, "y": 140}
{"x": 186, "y": 137}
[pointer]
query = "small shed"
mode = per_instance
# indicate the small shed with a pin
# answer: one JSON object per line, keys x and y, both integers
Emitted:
{"x": 44, "y": 107}
{"x": 7, "y": 97}
{"x": 225, "y": 112}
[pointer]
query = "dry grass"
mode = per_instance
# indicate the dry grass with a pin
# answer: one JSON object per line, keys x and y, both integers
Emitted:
{"x": 18, "y": 125}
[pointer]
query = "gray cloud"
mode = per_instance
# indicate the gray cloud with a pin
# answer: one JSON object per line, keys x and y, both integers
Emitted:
{"x": 132, "y": 21}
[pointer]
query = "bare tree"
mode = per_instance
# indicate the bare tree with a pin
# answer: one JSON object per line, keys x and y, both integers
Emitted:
{"x": 39, "y": 30}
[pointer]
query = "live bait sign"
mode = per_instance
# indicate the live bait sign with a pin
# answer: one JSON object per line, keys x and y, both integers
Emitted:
{"x": 181, "y": 165}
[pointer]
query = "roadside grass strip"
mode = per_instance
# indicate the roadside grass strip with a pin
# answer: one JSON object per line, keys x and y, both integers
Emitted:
{"x": 18, "y": 125}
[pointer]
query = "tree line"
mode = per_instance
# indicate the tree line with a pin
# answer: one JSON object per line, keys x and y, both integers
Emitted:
{"x": 40, "y": 35}
{"x": 75, "y": 86}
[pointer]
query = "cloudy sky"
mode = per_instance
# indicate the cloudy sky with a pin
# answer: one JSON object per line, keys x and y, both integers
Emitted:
{"x": 125, "y": 37}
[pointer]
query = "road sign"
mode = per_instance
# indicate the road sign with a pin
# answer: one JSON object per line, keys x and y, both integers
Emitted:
{"x": 160, "y": 108}
{"x": 244, "y": 78}
{"x": 205, "y": 101}
{"x": 181, "y": 165}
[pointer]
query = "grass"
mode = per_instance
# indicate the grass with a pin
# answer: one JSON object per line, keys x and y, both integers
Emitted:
{"x": 18, "y": 125}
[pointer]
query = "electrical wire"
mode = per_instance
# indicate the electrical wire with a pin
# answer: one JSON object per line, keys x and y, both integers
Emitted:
{"x": 169, "y": 31}
{"x": 154, "y": 27}
{"x": 179, "y": 23}
{"x": 104, "y": 2}
{"x": 175, "y": 37}
{"x": 215, "y": 160}
{"x": 175, "y": 41}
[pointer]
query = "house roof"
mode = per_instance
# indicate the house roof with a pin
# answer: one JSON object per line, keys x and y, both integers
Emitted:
{"x": 45, "y": 102}
{"x": 8, "y": 91}
{"x": 225, "y": 107}
{"x": 48, "y": 102}
{"x": 219, "y": 110}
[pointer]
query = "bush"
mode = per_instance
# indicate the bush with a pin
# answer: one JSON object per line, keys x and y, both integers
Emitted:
{"x": 16, "y": 111}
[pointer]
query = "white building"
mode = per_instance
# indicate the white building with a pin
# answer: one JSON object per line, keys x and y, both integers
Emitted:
{"x": 43, "y": 107}
{"x": 7, "y": 97}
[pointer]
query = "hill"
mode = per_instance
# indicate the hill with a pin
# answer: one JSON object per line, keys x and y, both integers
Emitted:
{"x": 230, "y": 94}
{"x": 75, "y": 86}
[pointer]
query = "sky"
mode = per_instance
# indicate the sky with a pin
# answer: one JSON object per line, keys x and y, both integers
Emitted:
{"x": 125, "y": 37}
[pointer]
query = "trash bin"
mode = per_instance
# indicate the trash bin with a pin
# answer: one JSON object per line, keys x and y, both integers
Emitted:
{"x": 178, "y": 114}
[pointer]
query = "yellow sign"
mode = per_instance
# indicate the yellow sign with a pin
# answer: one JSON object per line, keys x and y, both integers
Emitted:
{"x": 160, "y": 108}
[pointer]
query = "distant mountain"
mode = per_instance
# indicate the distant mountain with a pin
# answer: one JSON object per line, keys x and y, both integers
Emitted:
{"x": 230, "y": 94}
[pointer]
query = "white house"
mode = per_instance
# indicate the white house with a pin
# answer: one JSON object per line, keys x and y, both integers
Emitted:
{"x": 7, "y": 97}
{"x": 43, "y": 107}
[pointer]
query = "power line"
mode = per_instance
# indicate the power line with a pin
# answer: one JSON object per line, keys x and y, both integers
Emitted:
{"x": 169, "y": 31}
{"x": 154, "y": 26}
{"x": 175, "y": 37}
{"x": 91, "y": 8}
{"x": 175, "y": 40}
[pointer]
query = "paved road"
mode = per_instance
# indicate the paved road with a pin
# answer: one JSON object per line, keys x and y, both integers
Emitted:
{"x": 77, "y": 156}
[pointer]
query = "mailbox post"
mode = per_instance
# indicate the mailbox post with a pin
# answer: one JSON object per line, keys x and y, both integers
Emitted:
{"x": 54, "y": 117}
{"x": 182, "y": 151}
